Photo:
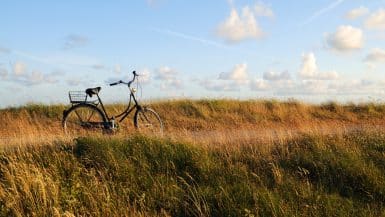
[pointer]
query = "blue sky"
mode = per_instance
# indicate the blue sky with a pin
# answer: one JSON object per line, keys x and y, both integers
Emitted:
{"x": 310, "y": 50}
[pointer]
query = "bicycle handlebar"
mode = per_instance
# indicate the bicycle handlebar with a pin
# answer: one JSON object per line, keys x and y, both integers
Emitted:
{"x": 128, "y": 83}
{"x": 116, "y": 83}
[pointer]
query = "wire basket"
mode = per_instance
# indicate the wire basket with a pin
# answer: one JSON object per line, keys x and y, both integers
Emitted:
{"x": 77, "y": 96}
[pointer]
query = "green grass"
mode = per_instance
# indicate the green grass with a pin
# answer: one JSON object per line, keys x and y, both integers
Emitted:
{"x": 308, "y": 176}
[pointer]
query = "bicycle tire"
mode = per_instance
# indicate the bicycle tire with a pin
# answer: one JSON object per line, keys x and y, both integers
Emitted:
{"x": 147, "y": 121}
{"x": 83, "y": 119}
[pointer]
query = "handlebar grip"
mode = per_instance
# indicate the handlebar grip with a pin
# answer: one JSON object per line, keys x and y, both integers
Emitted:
{"x": 116, "y": 83}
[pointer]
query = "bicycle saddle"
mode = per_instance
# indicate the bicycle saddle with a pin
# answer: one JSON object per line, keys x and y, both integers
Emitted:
{"x": 92, "y": 91}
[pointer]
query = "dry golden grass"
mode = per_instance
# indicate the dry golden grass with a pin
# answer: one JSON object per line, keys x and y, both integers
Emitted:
{"x": 219, "y": 158}
{"x": 206, "y": 121}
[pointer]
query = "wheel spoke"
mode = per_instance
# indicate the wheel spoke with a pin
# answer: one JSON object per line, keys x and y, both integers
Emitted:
{"x": 83, "y": 120}
{"x": 148, "y": 122}
{"x": 93, "y": 112}
{"x": 146, "y": 119}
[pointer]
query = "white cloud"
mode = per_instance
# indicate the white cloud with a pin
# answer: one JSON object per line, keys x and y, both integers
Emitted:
{"x": 34, "y": 77}
{"x": 263, "y": 10}
{"x": 376, "y": 20}
{"x": 354, "y": 87}
{"x": 376, "y": 55}
{"x": 37, "y": 77}
{"x": 117, "y": 69}
{"x": 313, "y": 87}
{"x": 76, "y": 82}
{"x": 3, "y": 72}
{"x": 166, "y": 73}
{"x": 336, "y": 87}
{"x": 239, "y": 74}
{"x": 331, "y": 75}
{"x": 171, "y": 84}
{"x": 144, "y": 76}
{"x": 275, "y": 76}
{"x": 309, "y": 69}
{"x": 309, "y": 66}
{"x": 345, "y": 39}
{"x": 304, "y": 87}
{"x": 98, "y": 66}
{"x": 168, "y": 77}
{"x": 19, "y": 68}
{"x": 280, "y": 87}
{"x": 215, "y": 85}
{"x": 259, "y": 85}
{"x": 87, "y": 81}
{"x": 356, "y": 13}
{"x": 228, "y": 81}
{"x": 4, "y": 50}
{"x": 240, "y": 27}
{"x": 74, "y": 41}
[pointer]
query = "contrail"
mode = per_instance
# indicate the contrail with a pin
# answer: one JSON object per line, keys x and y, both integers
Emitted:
{"x": 322, "y": 11}
{"x": 189, "y": 37}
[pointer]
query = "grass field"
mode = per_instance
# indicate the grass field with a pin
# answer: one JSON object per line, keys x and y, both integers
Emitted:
{"x": 217, "y": 158}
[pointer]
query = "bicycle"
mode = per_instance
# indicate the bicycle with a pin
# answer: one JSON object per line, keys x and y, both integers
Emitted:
{"x": 85, "y": 116}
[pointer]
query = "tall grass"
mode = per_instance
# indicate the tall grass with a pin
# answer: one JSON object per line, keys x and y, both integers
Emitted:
{"x": 308, "y": 176}
{"x": 218, "y": 158}
{"x": 42, "y": 123}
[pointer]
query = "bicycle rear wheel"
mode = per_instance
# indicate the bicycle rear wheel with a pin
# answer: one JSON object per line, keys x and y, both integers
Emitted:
{"x": 83, "y": 120}
{"x": 147, "y": 121}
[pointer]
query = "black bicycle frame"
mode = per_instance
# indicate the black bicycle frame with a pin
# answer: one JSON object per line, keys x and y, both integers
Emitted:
{"x": 125, "y": 113}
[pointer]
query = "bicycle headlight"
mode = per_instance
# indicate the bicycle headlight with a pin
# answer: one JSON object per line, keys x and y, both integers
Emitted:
{"x": 133, "y": 89}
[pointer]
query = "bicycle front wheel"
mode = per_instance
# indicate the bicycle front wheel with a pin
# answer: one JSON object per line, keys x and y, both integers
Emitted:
{"x": 147, "y": 121}
{"x": 82, "y": 120}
